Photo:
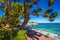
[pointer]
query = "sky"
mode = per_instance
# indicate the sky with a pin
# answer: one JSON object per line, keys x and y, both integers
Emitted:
{"x": 56, "y": 8}
{"x": 43, "y": 4}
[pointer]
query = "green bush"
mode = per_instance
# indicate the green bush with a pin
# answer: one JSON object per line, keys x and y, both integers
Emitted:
{"x": 21, "y": 35}
{"x": 2, "y": 33}
{"x": 14, "y": 34}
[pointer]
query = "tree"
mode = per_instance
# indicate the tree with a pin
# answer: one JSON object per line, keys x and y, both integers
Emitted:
{"x": 14, "y": 9}
{"x": 30, "y": 3}
{"x": 12, "y": 12}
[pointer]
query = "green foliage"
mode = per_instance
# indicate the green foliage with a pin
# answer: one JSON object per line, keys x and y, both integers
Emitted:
{"x": 35, "y": 2}
{"x": 48, "y": 11}
{"x": 14, "y": 13}
{"x": 29, "y": 5}
{"x": 53, "y": 15}
{"x": 13, "y": 21}
{"x": 21, "y": 35}
{"x": 1, "y": 0}
{"x": 3, "y": 33}
{"x": 40, "y": 9}
{"x": 17, "y": 7}
{"x": 45, "y": 15}
{"x": 1, "y": 19}
{"x": 50, "y": 2}
{"x": 14, "y": 34}
{"x": 35, "y": 13}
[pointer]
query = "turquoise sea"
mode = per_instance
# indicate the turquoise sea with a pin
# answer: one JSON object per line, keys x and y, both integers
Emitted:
{"x": 50, "y": 27}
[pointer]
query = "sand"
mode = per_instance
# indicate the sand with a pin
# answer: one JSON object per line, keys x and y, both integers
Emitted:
{"x": 40, "y": 38}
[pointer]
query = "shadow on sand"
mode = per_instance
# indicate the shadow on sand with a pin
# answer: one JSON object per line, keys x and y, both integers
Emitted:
{"x": 32, "y": 34}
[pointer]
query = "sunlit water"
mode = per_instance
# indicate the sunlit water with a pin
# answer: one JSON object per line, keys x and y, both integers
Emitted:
{"x": 50, "y": 27}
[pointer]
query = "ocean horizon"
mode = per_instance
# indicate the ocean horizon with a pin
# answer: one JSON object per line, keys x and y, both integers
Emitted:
{"x": 50, "y": 27}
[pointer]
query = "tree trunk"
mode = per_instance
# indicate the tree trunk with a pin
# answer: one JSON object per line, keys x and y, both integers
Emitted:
{"x": 7, "y": 9}
{"x": 0, "y": 24}
{"x": 26, "y": 16}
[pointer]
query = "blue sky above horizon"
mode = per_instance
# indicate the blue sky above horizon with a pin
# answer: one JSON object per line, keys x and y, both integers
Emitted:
{"x": 43, "y": 4}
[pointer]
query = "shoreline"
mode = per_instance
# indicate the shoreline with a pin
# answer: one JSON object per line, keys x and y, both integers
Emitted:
{"x": 49, "y": 34}
{"x": 48, "y": 30}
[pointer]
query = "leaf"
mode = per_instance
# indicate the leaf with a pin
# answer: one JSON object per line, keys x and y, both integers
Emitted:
{"x": 35, "y": 2}
{"x": 40, "y": 9}
{"x": 48, "y": 11}
{"x": 17, "y": 7}
{"x": 45, "y": 15}
{"x": 29, "y": 5}
{"x": 35, "y": 13}
{"x": 1, "y": 0}
{"x": 50, "y": 2}
{"x": 53, "y": 15}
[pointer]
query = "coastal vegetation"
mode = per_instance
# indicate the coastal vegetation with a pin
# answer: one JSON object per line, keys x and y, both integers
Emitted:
{"x": 15, "y": 11}
{"x": 12, "y": 34}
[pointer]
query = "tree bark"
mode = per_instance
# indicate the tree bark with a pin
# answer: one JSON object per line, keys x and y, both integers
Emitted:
{"x": 7, "y": 9}
{"x": 26, "y": 16}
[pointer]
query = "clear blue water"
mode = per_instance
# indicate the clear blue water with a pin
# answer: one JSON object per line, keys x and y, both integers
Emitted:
{"x": 50, "y": 27}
